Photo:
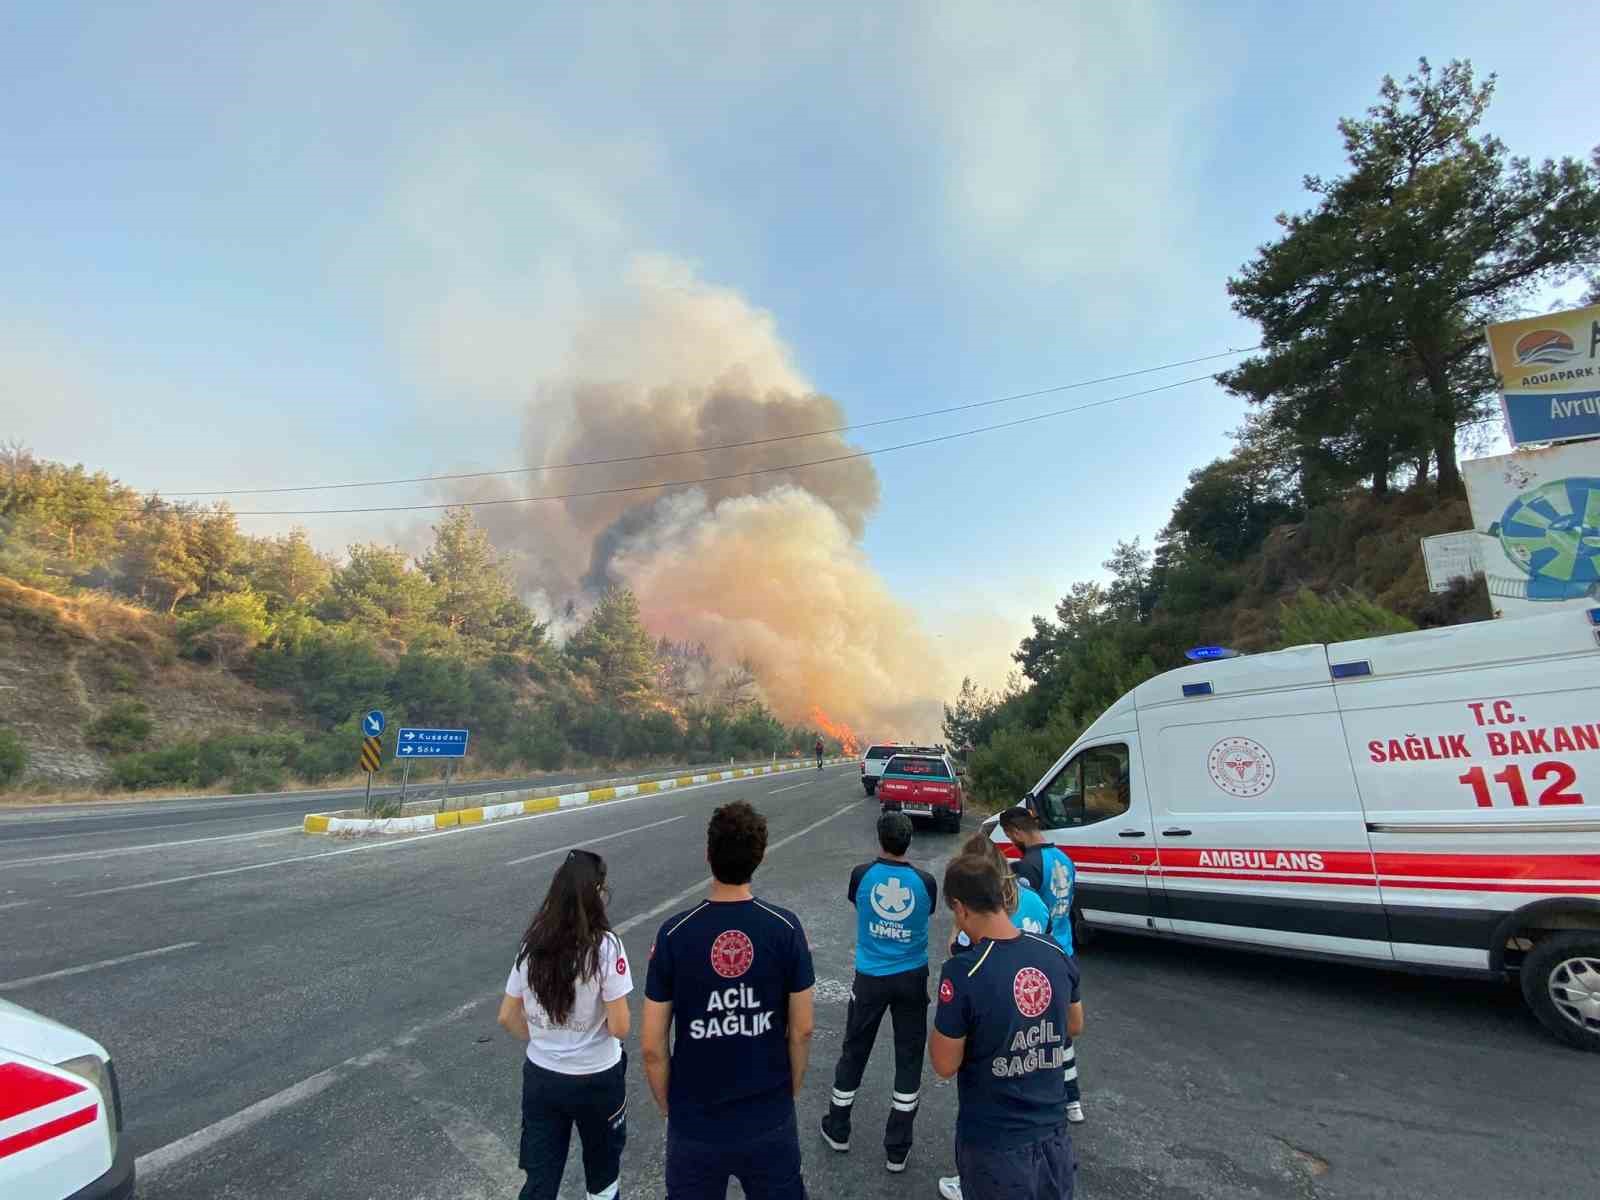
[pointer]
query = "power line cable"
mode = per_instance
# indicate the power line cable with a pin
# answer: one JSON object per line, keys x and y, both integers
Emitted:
{"x": 681, "y": 483}
{"x": 763, "y": 441}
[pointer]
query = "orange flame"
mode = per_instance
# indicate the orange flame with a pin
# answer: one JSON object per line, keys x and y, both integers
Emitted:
{"x": 837, "y": 730}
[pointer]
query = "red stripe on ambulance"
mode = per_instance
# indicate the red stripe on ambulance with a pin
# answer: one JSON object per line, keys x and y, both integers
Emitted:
{"x": 23, "y": 1090}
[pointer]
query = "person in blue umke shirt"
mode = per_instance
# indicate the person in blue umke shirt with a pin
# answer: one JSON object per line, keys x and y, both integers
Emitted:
{"x": 1047, "y": 869}
{"x": 893, "y": 901}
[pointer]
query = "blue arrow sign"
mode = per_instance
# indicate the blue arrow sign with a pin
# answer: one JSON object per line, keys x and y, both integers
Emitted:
{"x": 372, "y": 724}
{"x": 431, "y": 743}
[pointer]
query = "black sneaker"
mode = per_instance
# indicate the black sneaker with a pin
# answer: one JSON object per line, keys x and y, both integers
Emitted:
{"x": 842, "y": 1147}
{"x": 897, "y": 1162}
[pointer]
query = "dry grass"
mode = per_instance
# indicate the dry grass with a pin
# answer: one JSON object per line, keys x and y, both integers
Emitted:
{"x": 65, "y": 659}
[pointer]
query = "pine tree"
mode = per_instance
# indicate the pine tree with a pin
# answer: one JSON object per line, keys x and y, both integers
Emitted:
{"x": 613, "y": 648}
{"x": 1372, "y": 305}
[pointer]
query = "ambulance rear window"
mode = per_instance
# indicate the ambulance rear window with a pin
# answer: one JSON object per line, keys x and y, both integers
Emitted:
{"x": 878, "y": 752}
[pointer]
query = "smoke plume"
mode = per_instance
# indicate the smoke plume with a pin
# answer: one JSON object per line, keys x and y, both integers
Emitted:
{"x": 767, "y": 568}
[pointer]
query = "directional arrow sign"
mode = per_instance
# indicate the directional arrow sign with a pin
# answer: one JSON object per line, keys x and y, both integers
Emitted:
{"x": 432, "y": 743}
{"x": 372, "y": 724}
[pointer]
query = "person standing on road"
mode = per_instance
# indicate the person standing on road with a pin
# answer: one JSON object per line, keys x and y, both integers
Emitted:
{"x": 894, "y": 901}
{"x": 819, "y": 749}
{"x": 731, "y": 979}
{"x": 1004, "y": 1014}
{"x": 1027, "y": 912}
{"x": 1048, "y": 870}
{"x": 566, "y": 997}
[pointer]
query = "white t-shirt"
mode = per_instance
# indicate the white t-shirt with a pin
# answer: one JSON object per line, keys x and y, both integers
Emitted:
{"x": 583, "y": 1045}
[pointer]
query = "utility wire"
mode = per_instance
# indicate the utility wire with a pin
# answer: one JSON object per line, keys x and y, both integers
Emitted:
{"x": 680, "y": 483}
{"x": 763, "y": 441}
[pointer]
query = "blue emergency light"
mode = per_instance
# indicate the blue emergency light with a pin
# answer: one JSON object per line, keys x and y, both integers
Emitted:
{"x": 1209, "y": 653}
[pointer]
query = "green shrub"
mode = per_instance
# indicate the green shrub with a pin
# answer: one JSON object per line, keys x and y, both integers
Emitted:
{"x": 538, "y": 741}
{"x": 177, "y": 765}
{"x": 225, "y": 628}
{"x": 247, "y": 762}
{"x": 122, "y": 678}
{"x": 325, "y": 755}
{"x": 13, "y": 757}
{"x": 1310, "y": 619}
{"x": 1002, "y": 771}
{"x": 121, "y": 729}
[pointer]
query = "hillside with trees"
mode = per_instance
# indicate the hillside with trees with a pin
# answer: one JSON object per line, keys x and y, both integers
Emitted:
{"x": 150, "y": 644}
{"x": 1372, "y": 377}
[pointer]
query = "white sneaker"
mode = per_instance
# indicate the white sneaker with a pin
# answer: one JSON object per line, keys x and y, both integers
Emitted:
{"x": 1075, "y": 1113}
{"x": 950, "y": 1187}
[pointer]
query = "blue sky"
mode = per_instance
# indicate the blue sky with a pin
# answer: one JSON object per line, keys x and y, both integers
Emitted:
{"x": 249, "y": 245}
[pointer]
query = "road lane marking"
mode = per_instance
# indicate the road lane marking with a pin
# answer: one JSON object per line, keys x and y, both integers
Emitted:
{"x": 791, "y": 787}
{"x": 516, "y": 862}
{"x": 218, "y": 1131}
{"x": 14, "y": 904}
{"x": 77, "y": 855}
{"x": 208, "y": 1136}
{"x": 507, "y": 823}
{"x": 13, "y": 984}
{"x": 672, "y": 902}
{"x": 479, "y": 1145}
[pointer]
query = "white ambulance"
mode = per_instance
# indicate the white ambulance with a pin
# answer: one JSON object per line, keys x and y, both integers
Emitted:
{"x": 60, "y": 1114}
{"x": 1425, "y": 800}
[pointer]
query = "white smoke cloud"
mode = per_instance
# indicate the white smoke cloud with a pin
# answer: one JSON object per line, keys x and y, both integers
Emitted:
{"x": 767, "y": 567}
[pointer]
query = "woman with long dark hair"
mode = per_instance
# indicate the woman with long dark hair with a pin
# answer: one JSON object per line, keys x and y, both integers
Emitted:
{"x": 567, "y": 998}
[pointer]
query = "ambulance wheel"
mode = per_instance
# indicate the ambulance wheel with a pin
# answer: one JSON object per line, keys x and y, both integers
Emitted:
{"x": 1561, "y": 983}
{"x": 1082, "y": 935}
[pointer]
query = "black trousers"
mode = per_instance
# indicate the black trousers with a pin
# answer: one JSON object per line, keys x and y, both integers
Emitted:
{"x": 552, "y": 1103}
{"x": 1044, "y": 1169}
{"x": 905, "y": 998}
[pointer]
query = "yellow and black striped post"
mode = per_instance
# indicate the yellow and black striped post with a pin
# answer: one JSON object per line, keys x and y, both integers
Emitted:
{"x": 371, "y": 757}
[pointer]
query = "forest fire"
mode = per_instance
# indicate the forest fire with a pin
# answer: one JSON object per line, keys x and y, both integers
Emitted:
{"x": 836, "y": 729}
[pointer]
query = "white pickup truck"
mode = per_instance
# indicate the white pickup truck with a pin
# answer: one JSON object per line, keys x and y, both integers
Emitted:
{"x": 60, "y": 1114}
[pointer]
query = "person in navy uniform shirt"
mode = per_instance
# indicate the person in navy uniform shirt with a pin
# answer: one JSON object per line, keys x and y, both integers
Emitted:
{"x": 1004, "y": 1014}
{"x": 732, "y": 977}
{"x": 894, "y": 901}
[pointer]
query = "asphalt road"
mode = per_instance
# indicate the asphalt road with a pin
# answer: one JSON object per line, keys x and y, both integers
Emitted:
{"x": 315, "y": 1018}
{"x": 126, "y": 823}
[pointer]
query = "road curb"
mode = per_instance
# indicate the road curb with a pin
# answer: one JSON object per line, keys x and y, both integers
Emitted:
{"x": 521, "y": 802}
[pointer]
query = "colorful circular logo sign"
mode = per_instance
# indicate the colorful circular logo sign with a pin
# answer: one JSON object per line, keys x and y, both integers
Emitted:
{"x": 1031, "y": 990}
{"x": 947, "y": 993}
{"x": 1241, "y": 767}
{"x": 622, "y": 965}
{"x": 732, "y": 953}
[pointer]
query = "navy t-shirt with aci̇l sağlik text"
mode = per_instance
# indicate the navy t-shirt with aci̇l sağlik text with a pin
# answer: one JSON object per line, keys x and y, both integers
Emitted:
{"x": 728, "y": 969}
{"x": 1009, "y": 1000}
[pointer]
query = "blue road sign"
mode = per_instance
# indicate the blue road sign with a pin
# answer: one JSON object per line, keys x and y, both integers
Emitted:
{"x": 372, "y": 724}
{"x": 431, "y": 743}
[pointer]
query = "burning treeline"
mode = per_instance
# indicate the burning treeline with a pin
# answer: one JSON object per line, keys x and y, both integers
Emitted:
{"x": 764, "y": 570}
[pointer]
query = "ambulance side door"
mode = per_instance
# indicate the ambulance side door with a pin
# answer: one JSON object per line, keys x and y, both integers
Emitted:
{"x": 1259, "y": 826}
{"x": 1094, "y": 807}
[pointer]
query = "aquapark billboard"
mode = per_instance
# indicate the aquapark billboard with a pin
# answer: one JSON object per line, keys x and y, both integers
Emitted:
{"x": 1549, "y": 369}
{"x": 1537, "y": 515}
